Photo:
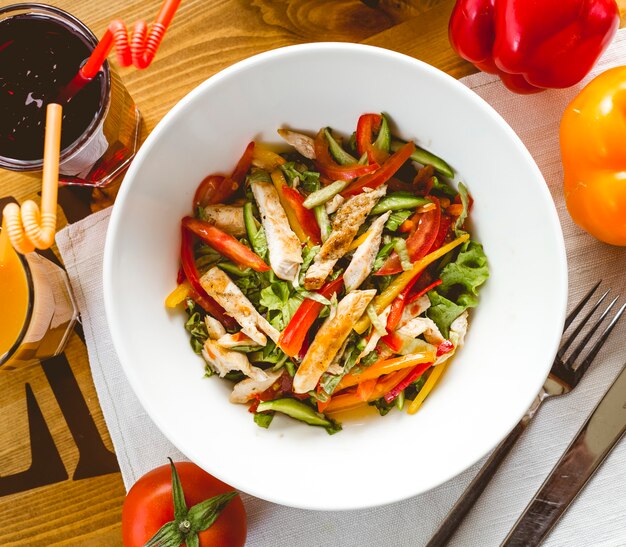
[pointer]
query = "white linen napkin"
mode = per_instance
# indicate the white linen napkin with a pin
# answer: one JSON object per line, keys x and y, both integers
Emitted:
{"x": 596, "y": 518}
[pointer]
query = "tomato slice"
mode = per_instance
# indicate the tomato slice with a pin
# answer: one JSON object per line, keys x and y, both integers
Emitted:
{"x": 306, "y": 217}
{"x": 330, "y": 169}
{"x": 367, "y": 126}
{"x": 225, "y": 244}
{"x": 382, "y": 175}
{"x": 419, "y": 242}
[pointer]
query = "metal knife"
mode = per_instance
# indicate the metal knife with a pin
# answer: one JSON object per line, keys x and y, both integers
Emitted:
{"x": 601, "y": 432}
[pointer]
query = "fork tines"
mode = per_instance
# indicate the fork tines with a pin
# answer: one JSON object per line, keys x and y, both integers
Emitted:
{"x": 583, "y": 365}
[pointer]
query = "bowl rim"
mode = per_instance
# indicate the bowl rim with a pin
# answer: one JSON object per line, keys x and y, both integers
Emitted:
{"x": 116, "y": 219}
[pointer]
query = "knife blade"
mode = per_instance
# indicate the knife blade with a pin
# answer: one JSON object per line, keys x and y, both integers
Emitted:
{"x": 600, "y": 433}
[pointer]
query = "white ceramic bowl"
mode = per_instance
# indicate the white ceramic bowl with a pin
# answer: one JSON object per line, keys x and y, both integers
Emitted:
{"x": 513, "y": 334}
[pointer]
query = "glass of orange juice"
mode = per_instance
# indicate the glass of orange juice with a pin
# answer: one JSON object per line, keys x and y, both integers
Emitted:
{"x": 37, "y": 309}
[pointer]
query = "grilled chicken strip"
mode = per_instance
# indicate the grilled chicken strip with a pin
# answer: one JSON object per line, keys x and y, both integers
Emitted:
{"x": 345, "y": 227}
{"x": 333, "y": 204}
{"x": 363, "y": 258}
{"x": 304, "y": 144}
{"x": 284, "y": 246}
{"x": 245, "y": 390}
{"x": 329, "y": 340}
{"x": 425, "y": 326}
{"x": 227, "y": 218}
{"x": 223, "y": 361}
{"x": 219, "y": 286}
{"x": 236, "y": 340}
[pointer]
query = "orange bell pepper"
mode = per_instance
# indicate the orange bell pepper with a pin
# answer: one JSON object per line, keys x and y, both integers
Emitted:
{"x": 349, "y": 401}
{"x": 593, "y": 133}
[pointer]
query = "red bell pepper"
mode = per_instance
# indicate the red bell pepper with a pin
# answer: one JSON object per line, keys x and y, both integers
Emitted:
{"x": 533, "y": 45}
{"x": 243, "y": 165}
{"x": 397, "y": 185}
{"x": 420, "y": 241}
{"x": 198, "y": 294}
{"x": 225, "y": 244}
{"x": 292, "y": 338}
{"x": 445, "y": 347}
{"x": 214, "y": 189}
{"x": 392, "y": 339}
{"x": 414, "y": 375}
{"x": 306, "y": 217}
{"x": 397, "y": 306}
{"x": 413, "y": 297}
{"x": 330, "y": 169}
{"x": 382, "y": 175}
{"x": 218, "y": 188}
{"x": 367, "y": 126}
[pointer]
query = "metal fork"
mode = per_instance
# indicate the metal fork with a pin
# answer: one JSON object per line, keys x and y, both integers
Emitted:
{"x": 564, "y": 376}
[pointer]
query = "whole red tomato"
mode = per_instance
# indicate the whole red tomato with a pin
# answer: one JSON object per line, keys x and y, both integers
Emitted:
{"x": 149, "y": 505}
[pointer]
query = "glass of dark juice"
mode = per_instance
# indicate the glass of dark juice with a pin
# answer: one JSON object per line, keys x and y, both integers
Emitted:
{"x": 41, "y": 50}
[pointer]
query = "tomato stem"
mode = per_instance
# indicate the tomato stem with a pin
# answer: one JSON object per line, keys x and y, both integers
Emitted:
{"x": 184, "y": 527}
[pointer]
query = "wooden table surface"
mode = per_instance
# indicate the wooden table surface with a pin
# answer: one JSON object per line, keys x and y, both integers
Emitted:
{"x": 59, "y": 479}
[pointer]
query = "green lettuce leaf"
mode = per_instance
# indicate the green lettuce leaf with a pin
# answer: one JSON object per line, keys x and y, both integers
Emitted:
{"x": 308, "y": 180}
{"x": 281, "y": 301}
{"x": 396, "y": 218}
{"x": 458, "y": 225}
{"x": 461, "y": 280}
{"x": 196, "y": 326}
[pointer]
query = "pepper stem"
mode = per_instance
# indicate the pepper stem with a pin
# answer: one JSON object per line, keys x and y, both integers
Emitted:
{"x": 184, "y": 527}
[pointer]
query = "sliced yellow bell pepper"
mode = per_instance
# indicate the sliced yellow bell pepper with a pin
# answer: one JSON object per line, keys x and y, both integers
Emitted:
{"x": 266, "y": 159}
{"x": 431, "y": 382}
{"x": 178, "y": 295}
{"x": 358, "y": 241}
{"x": 279, "y": 182}
{"x": 399, "y": 283}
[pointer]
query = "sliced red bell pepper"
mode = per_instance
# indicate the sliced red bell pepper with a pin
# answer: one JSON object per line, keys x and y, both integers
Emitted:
{"x": 413, "y": 297}
{"x": 383, "y": 174}
{"x": 306, "y": 217}
{"x": 243, "y": 165}
{"x": 397, "y": 306}
{"x": 225, "y": 244}
{"x": 420, "y": 241}
{"x": 214, "y": 189}
{"x": 397, "y": 185}
{"x": 305, "y": 347}
{"x": 292, "y": 338}
{"x": 445, "y": 347}
{"x": 330, "y": 169}
{"x": 414, "y": 375}
{"x": 218, "y": 188}
{"x": 198, "y": 294}
{"x": 367, "y": 126}
{"x": 393, "y": 340}
{"x": 180, "y": 277}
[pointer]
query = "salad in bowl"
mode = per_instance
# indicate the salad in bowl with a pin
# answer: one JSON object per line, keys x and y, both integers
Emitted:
{"x": 336, "y": 274}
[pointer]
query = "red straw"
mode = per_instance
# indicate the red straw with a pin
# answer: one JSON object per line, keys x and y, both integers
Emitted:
{"x": 138, "y": 51}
